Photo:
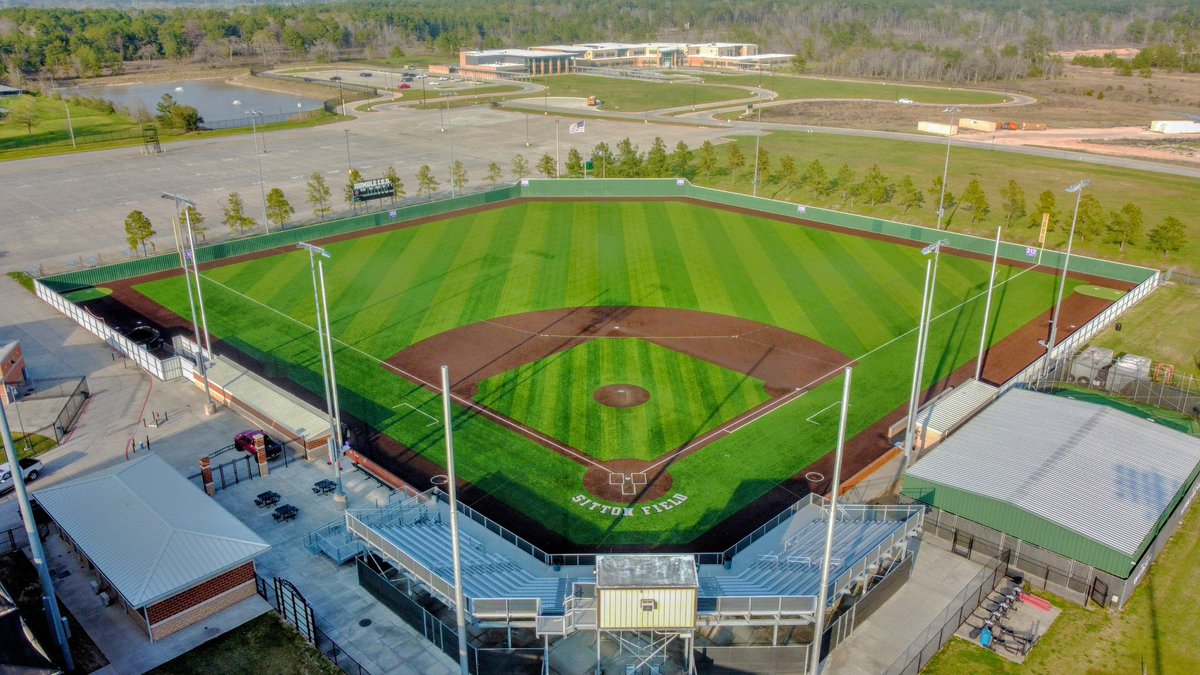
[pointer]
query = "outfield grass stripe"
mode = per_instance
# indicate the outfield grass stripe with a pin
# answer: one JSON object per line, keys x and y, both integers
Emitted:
{"x": 744, "y": 297}
{"x": 701, "y": 263}
{"x": 641, "y": 253}
{"x": 677, "y": 283}
{"x": 849, "y": 284}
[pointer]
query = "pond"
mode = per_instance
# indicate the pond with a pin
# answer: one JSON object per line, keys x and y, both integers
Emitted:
{"x": 220, "y": 104}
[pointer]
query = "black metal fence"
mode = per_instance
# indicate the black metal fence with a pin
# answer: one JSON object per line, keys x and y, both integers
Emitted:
{"x": 286, "y": 600}
{"x": 942, "y": 628}
{"x": 14, "y": 538}
{"x": 242, "y": 468}
{"x": 71, "y": 409}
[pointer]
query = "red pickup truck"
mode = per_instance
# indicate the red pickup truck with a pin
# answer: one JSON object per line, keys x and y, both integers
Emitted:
{"x": 245, "y": 442}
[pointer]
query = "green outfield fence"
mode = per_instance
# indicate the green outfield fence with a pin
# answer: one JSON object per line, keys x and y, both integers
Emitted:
{"x": 585, "y": 189}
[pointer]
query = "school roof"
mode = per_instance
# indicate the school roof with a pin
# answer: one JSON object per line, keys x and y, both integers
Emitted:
{"x": 150, "y": 531}
{"x": 1086, "y": 481}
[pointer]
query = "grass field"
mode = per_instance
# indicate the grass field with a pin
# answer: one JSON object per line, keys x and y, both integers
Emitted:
{"x": 1168, "y": 418}
{"x": 52, "y": 125}
{"x": 688, "y": 397}
{"x": 1152, "y": 634}
{"x": 1158, "y": 194}
{"x": 638, "y": 95}
{"x": 390, "y": 290}
{"x": 1163, "y": 327}
{"x": 795, "y": 87}
{"x": 262, "y": 645}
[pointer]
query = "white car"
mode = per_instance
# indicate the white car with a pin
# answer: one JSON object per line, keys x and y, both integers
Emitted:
{"x": 905, "y": 101}
{"x": 29, "y": 470}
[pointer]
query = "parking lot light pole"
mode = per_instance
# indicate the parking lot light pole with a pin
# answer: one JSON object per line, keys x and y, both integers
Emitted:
{"x": 49, "y": 599}
{"x": 945, "y": 169}
{"x": 254, "y": 115}
{"x": 1062, "y": 281}
{"x": 757, "y": 140}
{"x": 189, "y": 253}
{"x": 325, "y": 346}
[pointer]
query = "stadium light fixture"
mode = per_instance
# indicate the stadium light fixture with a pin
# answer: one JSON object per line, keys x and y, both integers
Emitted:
{"x": 185, "y": 254}
{"x": 1077, "y": 189}
{"x": 328, "y": 372}
{"x": 945, "y": 169}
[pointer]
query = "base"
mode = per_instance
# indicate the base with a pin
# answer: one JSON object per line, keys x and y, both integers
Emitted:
{"x": 210, "y": 408}
{"x": 340, "y": 499}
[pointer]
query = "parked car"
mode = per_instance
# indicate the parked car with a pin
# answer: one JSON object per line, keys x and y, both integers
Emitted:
{"x": 244, "y": 441}
{"x": 905, "y": 101}
{"x": 30, "y": 468}
{"x": 406, "y": 86}
{"x": 336, "y": 78}
{"x": 364, "y": 74}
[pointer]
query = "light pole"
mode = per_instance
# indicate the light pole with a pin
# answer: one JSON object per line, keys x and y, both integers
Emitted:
{"x": 556, "y": 174}
{"x": 757, "y": 139}
{"x": 987, "y": 308}
{"x": 254, "y": 115}
{"x": 328, "y": 374}
{"x": 349, "y": 166}
{"x": 527, "y": 130}
{"x": 922, "y": 342}
{"x": 945, "y": 169}
{"x": 450, "y": 144}
{"x": 184, "y": 255}
{"x": 1062, "y": 282}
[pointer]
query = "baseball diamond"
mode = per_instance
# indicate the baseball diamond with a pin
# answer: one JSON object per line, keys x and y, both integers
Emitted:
{"x": 667, "y": 359}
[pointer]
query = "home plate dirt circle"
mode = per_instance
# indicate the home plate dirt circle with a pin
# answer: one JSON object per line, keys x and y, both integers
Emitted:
{"x": 621, "y": 395}
{"x": 627, "y": 481}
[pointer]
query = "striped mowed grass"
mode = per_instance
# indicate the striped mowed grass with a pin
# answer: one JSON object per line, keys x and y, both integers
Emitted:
{"x": 389, "y": 290}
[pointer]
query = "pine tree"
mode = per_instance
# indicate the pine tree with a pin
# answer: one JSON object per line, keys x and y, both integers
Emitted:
{"x": 1125, "y": 226}
{"x": 427, "y": 184}
{"x": 908, "y": 196}
{"x": 844, "y": 183}
{"x": 574, "y": 164}
{"x": 1168, "y": 237}
{"x": 192, "y": 215}
{"x": 629, "y": 160}
{"x": 397, "y": 184}
{"x": 1046, "y": 203}
{"x": 735, "y": 160}
{"x": 319, "y": 195}
{"x": 234, "y": 213}
{"x": 763, "y": 166}
{"x": 874, "y": 187}
{"x": 138, "y": 231}
{"x": 494, "y": 173}
{"x": 1089, "y": 221}
{"x": 1012, "y": 197}
{"x": 947, "y": 199}
{"x": 520, "y": 167}
{"x": 279, "y": 209}
{"x": 817, "y": 179}
{"x": 975, "y": 200}
{"x": 547, "y": 166}
{"x": 353, "y": 177}
{"x": 787, "y": 174}
{"x": 706, "y": 162}
{"x": 602, "y": 159}
{"x": 681, "y": 161}
{"x": 458, "y": 176}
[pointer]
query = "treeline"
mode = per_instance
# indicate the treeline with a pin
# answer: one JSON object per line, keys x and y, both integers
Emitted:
{"x": 956, "y": 40}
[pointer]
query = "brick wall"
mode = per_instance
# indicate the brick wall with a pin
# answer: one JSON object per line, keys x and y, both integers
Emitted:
{"x": 201, "y": 593}
{"x": 201, "y": 611}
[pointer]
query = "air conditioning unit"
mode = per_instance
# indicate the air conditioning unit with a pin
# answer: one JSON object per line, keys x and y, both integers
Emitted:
{"x": 95, "y": 586}
{"x": 105, "y": 599}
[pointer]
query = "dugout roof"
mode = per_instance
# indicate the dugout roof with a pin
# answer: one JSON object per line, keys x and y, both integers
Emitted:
{"x": 149, "y": 530}
{"x": 1088, "y": 482}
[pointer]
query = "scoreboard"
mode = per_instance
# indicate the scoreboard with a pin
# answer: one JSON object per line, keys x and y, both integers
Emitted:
{"x": 376, "y": 188}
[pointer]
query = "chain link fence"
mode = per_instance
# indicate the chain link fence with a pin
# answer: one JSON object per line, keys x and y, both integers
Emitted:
{"x": 1160, "y": 387}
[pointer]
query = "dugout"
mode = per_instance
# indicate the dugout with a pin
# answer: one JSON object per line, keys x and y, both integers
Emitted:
{"x": 1082, "y": 496}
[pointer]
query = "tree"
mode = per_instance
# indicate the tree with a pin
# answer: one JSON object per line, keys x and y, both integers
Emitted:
{"x": 681, "y": 161}
{"x": 1125, "y": 226}
{"x": 844, "y": 183}
{"x": 908, "y": 196}
{"x": 426, "y": 183}
{"x": 234, "y": 211}
{"x": 1012, "y": 202}
{"x": 1167, "y": 237}
{"x": 975, "y": 200}
{"x": 138, "y": 231}
{"x": 1089, "y": 220}
{"x": 458, "y": 176}
{"x": 192, "y": 215}
{"x": 601, "y": 159}
{"x": 494, "y": 173}
{"x": 520, "y": 167}
{"x": 735, "y": 160}
{"x": 352, "y": 177}
{"x": 629, "y": 160}
{"x": 319, "y": 195}
{"x": 874, "y": 187}
{"x": 23, "y": 111}
{"x": 1046, "y": 203}
{"x": 547, "y": 166}
{"x": 397, "y": 184}
{"x": 176, "y": 115}
{"x": 763, "y": 166}
{"x": 816, "y": 178}
{"x": 706, "y": 162}
{"x": 658, "y": 164}
{"x": 947, "y": 198}
{"x": 574, "y": 164}
{"x": 787, "y": 173}
{"x": 279, "y": 209}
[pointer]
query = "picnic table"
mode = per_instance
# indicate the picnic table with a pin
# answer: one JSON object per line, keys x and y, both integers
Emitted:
{"x": 265, "y": 499}
{"x": 285, "y": 512}
{"x": 324, "y": 487}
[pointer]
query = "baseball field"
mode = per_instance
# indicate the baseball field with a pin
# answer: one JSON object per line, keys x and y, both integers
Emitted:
{"x": 625, "y": 372}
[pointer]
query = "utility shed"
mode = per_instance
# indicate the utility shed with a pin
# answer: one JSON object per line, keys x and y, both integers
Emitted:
{"x": 946, "y": 414}
{"x": 645, "y": 592}
{"x": 1087, "y": 482}
{"x": 171, "y": 555}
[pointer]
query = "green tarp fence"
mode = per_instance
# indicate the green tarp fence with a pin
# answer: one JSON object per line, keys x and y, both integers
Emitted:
{"x": 585, "y": 189}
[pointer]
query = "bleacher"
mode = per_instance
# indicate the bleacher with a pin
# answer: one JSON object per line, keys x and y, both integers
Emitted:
{"x": 794, "y": 568}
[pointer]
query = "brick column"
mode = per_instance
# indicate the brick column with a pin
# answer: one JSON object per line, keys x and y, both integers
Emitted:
{"x": 260, "y": 449}
{"x": 206, "y": 475}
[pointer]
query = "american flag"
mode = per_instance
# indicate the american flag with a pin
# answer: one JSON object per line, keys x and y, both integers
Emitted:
{"x": 576, "y": 128}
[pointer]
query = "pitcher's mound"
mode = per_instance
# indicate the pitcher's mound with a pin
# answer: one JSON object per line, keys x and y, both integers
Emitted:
{"x": 621, "y": 395}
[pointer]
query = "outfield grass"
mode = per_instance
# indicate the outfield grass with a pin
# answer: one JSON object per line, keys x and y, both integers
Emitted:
{"x": 688, "y": 397}
{"x": 390, "y": 290}
{"x": 90, "y": 293}
{"x": 799, "y": 87}
{"x": 1152, "y": 634}
{"x": 1158, "y": 194}
{"x": 1163, "y": 327}
{"x": 637, "y": 95}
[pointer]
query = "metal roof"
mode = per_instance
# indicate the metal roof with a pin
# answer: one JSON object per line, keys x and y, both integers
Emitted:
{"x": 150, "y": 531}
{"x": 645, "y": 571}
{"x": 949, "y": 411}
{"x": 1093, "y": 470}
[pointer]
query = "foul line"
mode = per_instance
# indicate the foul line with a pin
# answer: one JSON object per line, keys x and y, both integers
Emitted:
{"x": 416, "y": 409}
{"x": 810, "y": 417}
{"x": 466, "y": 403}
